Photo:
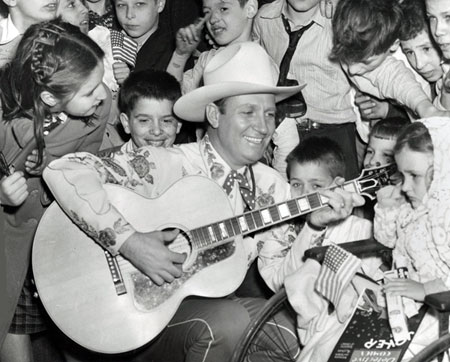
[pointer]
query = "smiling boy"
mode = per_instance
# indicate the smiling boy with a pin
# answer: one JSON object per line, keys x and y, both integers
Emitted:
{"x": 146, "y": 103}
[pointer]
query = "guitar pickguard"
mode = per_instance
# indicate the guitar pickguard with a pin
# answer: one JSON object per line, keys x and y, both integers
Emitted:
{"x": 147, "y": 295}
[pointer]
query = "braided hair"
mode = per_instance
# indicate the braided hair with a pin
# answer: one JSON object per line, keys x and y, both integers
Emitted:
{"x": 52, "y": 56}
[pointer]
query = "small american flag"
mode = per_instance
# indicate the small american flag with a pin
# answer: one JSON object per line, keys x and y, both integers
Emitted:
{"x": 124, "y": 49}
{"x": 338, "y": 269}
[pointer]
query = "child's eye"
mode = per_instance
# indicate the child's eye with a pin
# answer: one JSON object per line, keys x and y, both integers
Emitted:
{"x": 389, "y": 158}
{"x": 71, "y": 4}
{"x": 426, "y": 49}
{"x": 295, "y": 185}
{"x": 223, "y": 9}
{"x": 316, "y": 186}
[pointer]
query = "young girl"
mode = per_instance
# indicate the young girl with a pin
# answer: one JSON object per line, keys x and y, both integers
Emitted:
{"x": 53, "y": 98}
{"x": 414, "y": 218}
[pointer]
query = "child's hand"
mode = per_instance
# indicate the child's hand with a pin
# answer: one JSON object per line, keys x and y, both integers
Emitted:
{"x": 390, "y": 196}
{"x": 121, "y": 72}
{"x": 405, "y": 288}
{"x": 31, "y": 163}
{"x": 13, "y": 189}
{"x": 370, "y": 107}
{"x": 188, "y": 38}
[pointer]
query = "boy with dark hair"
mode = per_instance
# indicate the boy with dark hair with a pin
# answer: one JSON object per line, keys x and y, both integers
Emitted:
{"x": 365, "y": 36}
{"x": 437, "y": 13}
{"x": 422, "y": 54}
{"x": 314, "y": 165}
{"x": 146, "y": 102}
{"x": 227, "y": 22}
{"x": 320, "y": 150}
{"x": 418, "y": 45}
{"x": 369, "y": 28}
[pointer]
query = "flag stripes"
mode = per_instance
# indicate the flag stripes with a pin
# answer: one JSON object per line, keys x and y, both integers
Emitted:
{"x": 338, "y": 269}
{"x": 124, "y": 49}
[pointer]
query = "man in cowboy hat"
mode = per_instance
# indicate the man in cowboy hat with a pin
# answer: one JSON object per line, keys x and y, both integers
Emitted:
{"x": 238, "y": 100}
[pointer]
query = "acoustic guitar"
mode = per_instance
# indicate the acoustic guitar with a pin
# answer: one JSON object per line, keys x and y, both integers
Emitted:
{"x": 107, "y": 305}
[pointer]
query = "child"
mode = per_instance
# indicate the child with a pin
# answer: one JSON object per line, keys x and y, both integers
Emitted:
{"x": 146, "y": 103}
{"x": 116, "y": 69}
{"x": 417, "y": 44}
{"x": 437, "y": 11}
{"x": 62, "y": 109}
{"x": 227, "y": 22}
{"x": 314, "y": 165}
{"x": 412, "y": 218}
{"x": 75, "y": 12}
{"x": 380, "y": 151}
{"x": 139, "y": 19}
{"x": 382, "y": 139}
{"x": 365, "y": 35}
{"x": 329, "y": 109}
{"x": 101, "y": 12}
{"x": 22, "y": 14}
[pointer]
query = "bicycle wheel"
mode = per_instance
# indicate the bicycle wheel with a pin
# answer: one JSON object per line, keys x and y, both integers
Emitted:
{"x": 272, "y": 333}
{"x": 433, "y": 350}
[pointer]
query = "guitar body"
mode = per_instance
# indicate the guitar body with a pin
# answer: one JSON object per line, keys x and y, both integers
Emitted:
{"x": 79, "y": 288}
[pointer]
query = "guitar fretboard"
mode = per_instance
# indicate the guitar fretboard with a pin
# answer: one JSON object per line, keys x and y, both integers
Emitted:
{"x": 249, "y": 222}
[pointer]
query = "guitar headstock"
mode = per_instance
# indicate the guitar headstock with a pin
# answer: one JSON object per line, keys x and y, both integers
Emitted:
{"x": 372, "y": 179}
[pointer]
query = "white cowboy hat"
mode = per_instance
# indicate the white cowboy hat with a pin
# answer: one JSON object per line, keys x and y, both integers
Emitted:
{"x": 241, "y": 68}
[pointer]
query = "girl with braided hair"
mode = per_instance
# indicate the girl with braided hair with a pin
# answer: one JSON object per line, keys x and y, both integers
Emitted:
{"x": 54, "y": 103}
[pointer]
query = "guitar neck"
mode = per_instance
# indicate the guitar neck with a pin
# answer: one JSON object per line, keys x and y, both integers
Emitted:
{"x": 255, "y": 220}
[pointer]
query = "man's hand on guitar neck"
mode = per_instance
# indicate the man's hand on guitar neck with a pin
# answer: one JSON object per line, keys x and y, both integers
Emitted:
{"x": 340, "y": 206}
{"x": 148, "y": 253}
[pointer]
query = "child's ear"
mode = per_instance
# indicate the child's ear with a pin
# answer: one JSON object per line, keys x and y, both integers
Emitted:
{"x": 252, "y": 8}
{"x": 49, "y": 99}
{"x": 161, "y": 4}
{"x": 212, "y": 114}
{"x": 10, "y": 3}
{"x": 395, "y": 46}
{"x": 334, "y": 181}
{"x": 125, "y": 124}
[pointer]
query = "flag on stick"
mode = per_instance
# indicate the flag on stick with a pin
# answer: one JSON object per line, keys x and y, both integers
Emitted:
{"x": 124, "y": 49}
{"x": 338, "y": 269}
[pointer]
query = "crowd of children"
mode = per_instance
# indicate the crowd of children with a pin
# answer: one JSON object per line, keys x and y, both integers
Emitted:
{"x": 358, "y": 84}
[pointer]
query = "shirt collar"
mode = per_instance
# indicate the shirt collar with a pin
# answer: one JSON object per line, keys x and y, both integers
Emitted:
{"x": 218, "y": 168}
{"x": 9, "y": 31}
{"x": 316, "y": 18}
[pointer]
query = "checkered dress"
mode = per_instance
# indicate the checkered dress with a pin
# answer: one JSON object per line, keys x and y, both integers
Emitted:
{"x": 29, "y": 316}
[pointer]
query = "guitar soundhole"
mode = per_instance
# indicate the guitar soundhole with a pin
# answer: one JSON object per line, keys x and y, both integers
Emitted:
{"x": 148, "y": 296}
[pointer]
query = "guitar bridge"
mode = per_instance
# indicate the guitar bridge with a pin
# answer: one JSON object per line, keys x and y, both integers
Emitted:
{"x": 116, "y": 275}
